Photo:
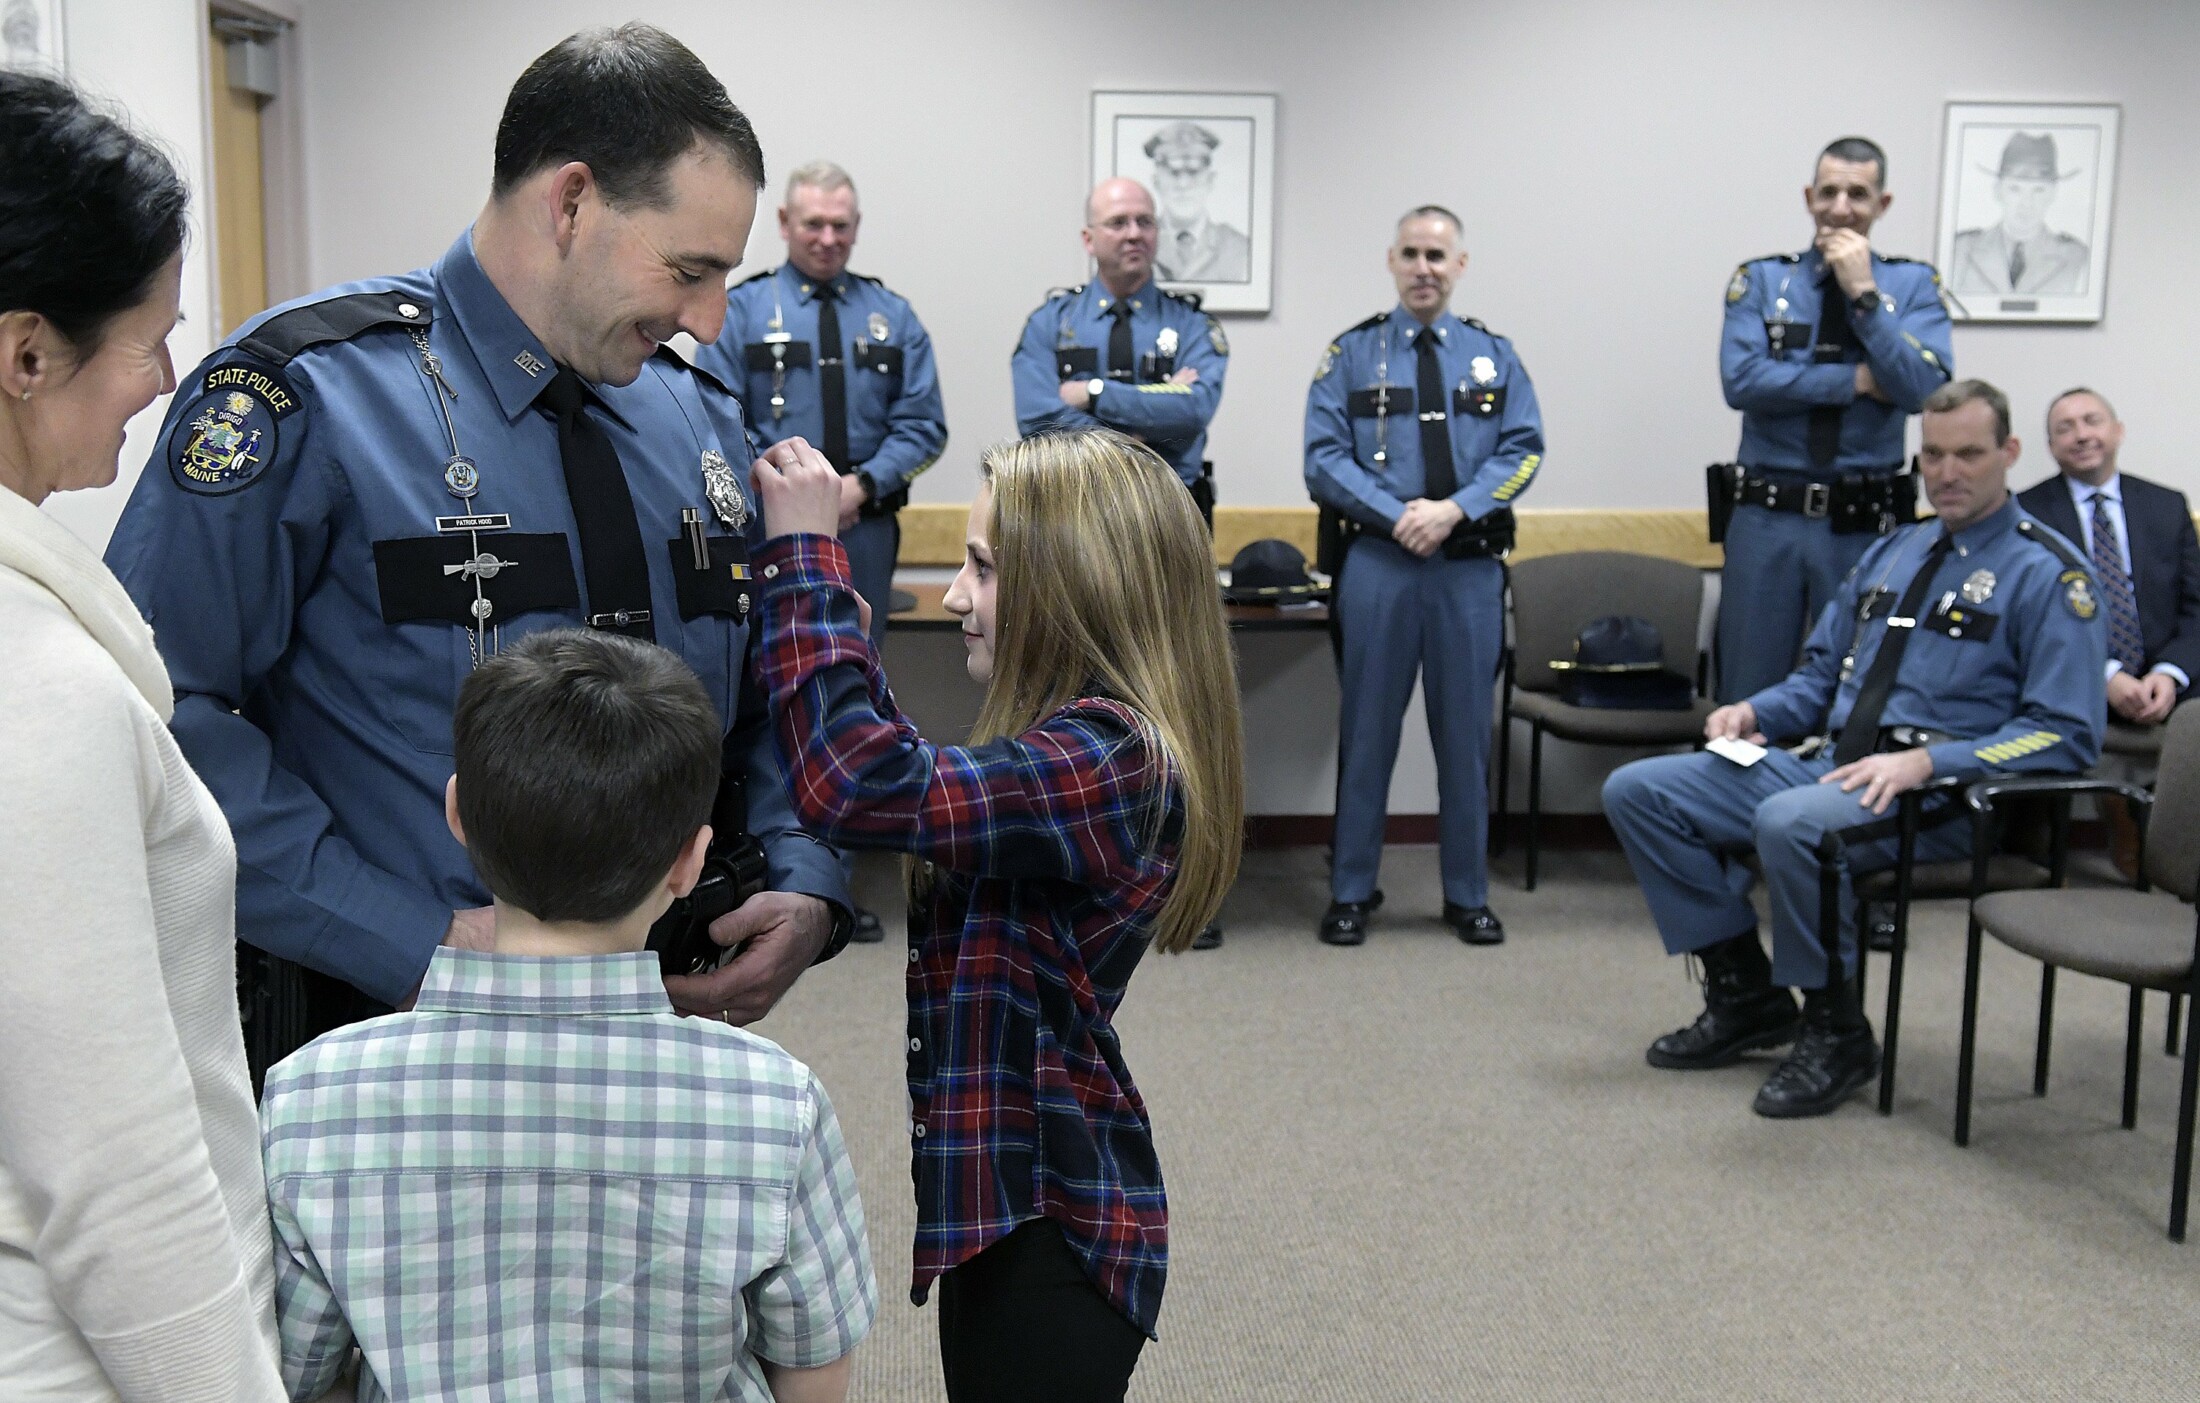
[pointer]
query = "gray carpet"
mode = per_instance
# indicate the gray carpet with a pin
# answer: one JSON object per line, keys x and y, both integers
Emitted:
{"x": 1421, "y": 1171}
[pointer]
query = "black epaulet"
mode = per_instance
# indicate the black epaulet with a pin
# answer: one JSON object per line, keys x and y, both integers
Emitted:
{"x": 1189, "y": 299}
{"x": 672, "y": 357}
{"x": 1369, "y": 325}
{"x": 282, "y": 337}
{"x": 867, "y": 278}
{"x": 756, "y": 277}
{"x": 1778, "y": 258}
{"x": 2040, "y": 535}
{"x": 1477, "y": 325}
{"x": 1054, "y": 293}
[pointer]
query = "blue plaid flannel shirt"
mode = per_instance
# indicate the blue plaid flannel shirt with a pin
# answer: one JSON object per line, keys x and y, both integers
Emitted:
{"x": 542, "y": 1183}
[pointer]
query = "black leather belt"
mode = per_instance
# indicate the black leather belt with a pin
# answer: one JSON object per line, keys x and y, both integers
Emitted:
{"x": 1872, "y": 501}
{"x": 1890, "y": 740}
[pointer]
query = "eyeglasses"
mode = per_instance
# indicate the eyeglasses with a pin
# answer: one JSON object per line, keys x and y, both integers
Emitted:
{"x": 1123, "y": 222}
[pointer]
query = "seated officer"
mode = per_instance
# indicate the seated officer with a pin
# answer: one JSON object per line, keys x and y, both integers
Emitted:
{"x": 1826, "y": 353}
{"x": 832, "y": 357}
{"x": 1964, "y": 645}
{"x": 1122, "y": 353}
{"x": 1421, "y": 427}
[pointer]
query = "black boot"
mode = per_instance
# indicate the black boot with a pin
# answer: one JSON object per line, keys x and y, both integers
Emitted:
{"x": 1742, "y": 1010}
{"x": 1834, "y": 1055}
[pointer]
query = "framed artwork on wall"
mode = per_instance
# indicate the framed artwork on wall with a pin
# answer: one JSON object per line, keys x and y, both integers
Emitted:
{"x": 31, "y": 35}
{"x": 2025, "y": 195}
{"x": 1210, "y": 161}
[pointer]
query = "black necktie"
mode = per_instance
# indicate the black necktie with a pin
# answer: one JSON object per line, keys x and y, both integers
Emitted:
{"x": 603, "y": 509}
{"x": 1122, "y": 360}
{"x": 1833, "y": 330}
{"x": 1433, "y": 410}
{"x": 1861, "y": 732}
{"x": 832, "y": 379}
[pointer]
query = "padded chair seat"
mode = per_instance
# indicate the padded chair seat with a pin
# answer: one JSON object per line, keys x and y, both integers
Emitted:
{"x": 2004, "y": 872}
{"x": 2138, "y": 742}
{"x": 2132, "y": 937}
{"x": 1601, "y": 726}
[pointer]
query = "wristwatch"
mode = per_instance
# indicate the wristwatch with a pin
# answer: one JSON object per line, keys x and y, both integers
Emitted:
{"x": 844, "y": 929}
{"x": 1866, "y": 301}
{"x": 1094, "y": 386}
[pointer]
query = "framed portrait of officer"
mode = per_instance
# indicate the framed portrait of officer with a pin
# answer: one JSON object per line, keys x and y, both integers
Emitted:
{"x": 1210, "y": 160}
{"x": 2026, "y": 190}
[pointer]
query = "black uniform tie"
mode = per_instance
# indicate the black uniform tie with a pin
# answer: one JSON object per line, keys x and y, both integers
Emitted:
{"x": 832, "y": 379}
{"x": 1433, "y": 408}
{"x": 1833, "y": 330}
{"x": 1122, "y": 359}
{"x": 611, "y": 543}
{"x": 1861, "y": 733}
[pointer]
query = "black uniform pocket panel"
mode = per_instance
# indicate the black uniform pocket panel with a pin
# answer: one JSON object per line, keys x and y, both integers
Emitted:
{"x": 1478, "y": 401}
{"x": 433, "y": 577}
{"x": 877, "y": 359}
{"x": 1388, "y": 399}
{"x": 1971, "y": 625}
{"x": 724, "y": 588}
{"x": 794, "y": 355}
{"x": 1076, "y": 362}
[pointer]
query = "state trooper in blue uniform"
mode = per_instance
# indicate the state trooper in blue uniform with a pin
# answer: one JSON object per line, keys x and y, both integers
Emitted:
{"x": 835, "y": 358}
{"x": 1965, "y": 645}
{"x": 1421, "y": 430}
{"x": 1827, "y": 353}
{"x": 361, "y": 494}
{"x": 1122, "y": 353}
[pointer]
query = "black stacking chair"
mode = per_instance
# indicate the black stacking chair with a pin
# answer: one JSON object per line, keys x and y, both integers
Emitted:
{"x": 1552, "y": 597}
{"x": 2144, "y": 743}
{"x": 2146, "y": 939}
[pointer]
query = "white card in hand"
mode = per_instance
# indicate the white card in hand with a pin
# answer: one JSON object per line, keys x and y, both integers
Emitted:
{"x": 1741, "y": 752}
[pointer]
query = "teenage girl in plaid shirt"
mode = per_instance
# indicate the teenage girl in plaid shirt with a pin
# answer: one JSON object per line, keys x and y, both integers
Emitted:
{"x": 1096, "y": 812}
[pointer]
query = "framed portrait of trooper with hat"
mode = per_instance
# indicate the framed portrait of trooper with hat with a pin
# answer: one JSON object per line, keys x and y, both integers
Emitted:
{"x": 2026, "y": 191}
{"x": 1209, "y": 161}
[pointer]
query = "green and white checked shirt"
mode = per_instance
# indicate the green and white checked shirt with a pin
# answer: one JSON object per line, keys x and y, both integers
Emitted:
{"x": 542, "y": 1184}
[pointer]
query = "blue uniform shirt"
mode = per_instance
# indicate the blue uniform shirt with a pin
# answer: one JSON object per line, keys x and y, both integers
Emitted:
{"x": 1067, "y": 339}
{"x": 2007, "y": 652}
{"x": 1905, "y": 337}
{"x": 1363, "y": 430}
{"x": 897, "y": 425}
{"x": 284, "y": 544}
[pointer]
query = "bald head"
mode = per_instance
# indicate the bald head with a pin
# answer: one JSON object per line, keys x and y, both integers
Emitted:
{"x": 1119, "y": 234}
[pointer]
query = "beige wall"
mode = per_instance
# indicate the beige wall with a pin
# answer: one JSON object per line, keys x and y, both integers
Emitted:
{"x": 1613, "y": 162}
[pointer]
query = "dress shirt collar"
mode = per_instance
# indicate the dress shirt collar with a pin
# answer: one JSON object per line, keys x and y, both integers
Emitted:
{"x": 513, "y": 359}
{"x": 1990, "y": 528}
{"x": 2082, "y": 494}
{"x": 560, "y": 986}
{"x": 804, "y": 287}
{"x": 1409, "y": 328}
{"x": 1140, "y": 300}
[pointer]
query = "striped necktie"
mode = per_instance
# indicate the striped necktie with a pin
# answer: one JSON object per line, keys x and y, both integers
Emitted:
{"x": 2125, "y": 643}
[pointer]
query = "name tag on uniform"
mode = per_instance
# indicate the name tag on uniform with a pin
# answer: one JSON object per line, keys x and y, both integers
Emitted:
{"x": 1076, "y": 362}
{"x": 1827, "y": 353}
{"x": 488, "y": 521}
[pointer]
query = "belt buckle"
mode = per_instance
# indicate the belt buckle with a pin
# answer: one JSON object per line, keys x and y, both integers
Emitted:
{"x": 618, "y": 618}
{"x": 1817, "y": 500}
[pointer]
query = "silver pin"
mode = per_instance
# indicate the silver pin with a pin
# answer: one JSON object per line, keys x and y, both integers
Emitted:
{"x": 724, "y": 490}
{"x": 461, "y": 477}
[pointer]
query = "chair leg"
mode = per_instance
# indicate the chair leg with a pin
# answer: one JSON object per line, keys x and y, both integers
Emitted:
{"x": 2045, "y": 1038}
{"x": 2181, "y": 1180}
{"x": 2134, "y": 1028}
{"x": 1535, "y": 797}
{"x": 1863, "y": 949}
{"x": 1504, "y": 784}
{"x": 1966, "y": 1054}
{"x": 2176, "y": 1017}
{"x": 1896, "y": 958}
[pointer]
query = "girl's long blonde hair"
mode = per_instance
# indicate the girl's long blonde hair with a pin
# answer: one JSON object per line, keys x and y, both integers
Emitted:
{"x": 1106, "y": 581}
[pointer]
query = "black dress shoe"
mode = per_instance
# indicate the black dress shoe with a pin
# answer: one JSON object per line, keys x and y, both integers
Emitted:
{"x": 1208, "y": 939}
{"x": 868, "y": 931}
{"x": 1345, "y": 922}
{"x": 1476, "y": 925}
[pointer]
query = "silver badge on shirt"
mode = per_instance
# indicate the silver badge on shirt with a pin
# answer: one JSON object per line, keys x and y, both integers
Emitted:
{"x": 1978, "y": 586}
{"x": 724, "y": 490}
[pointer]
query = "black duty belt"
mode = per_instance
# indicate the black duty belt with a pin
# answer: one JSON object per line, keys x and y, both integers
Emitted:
{"x": 1889, "y": 740}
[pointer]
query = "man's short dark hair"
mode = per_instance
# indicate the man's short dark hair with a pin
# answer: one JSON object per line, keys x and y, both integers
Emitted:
{"x": 1958, "y": 393}
{"x": 585, "y": 762}
{"x": 2079, "y": 390}
{"x": 1857, "y": 149}
{"x": 629, "y": 102}
{"x": 1458, "y": 227}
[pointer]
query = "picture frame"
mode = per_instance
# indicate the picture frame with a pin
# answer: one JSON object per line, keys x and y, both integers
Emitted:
{"x": 1209, "y": 159}
{"x": 33, "y": 35}
{"x": 2026, "y": 194}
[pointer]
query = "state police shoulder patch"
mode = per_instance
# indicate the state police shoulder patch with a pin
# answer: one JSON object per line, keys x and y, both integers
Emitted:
{"x": 1216, "y": 339}
{"x": 225, "y": 440}
{"x": 1739, "y": 287}
{"x": 2078, "y": 594}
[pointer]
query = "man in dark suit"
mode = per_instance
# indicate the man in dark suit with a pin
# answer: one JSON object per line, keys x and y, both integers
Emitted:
{"x": 2146, "y": 557}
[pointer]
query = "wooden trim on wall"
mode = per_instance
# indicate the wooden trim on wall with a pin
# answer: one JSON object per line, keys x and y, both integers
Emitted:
{"x": 932, "y": 532}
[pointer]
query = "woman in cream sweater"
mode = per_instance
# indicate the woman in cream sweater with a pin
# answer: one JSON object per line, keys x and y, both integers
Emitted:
{"x": 134, "y": 1247}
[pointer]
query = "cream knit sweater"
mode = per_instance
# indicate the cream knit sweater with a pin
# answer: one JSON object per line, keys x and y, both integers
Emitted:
{"x": 134, "y": 1247}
